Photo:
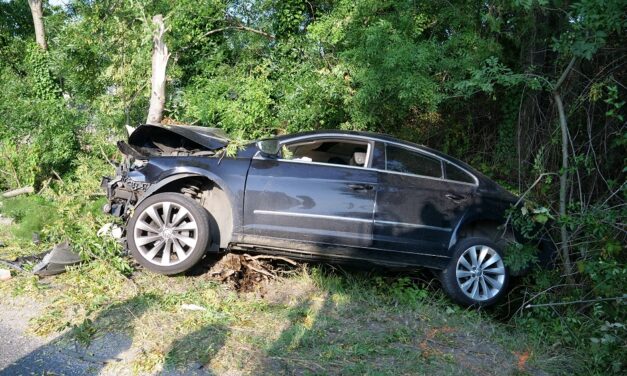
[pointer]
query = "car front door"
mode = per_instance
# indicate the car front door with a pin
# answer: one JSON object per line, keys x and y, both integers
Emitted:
{"x": 417, "y": 207}
{"x": 309, "y": 201}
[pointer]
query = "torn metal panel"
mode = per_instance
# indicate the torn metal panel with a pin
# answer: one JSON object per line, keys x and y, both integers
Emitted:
{"x": 56, "y": 261}
{"x": 48, "y": 263}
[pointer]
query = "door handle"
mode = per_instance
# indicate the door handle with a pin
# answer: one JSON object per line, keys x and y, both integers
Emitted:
{"x": 454, "y": 197}
{"x": 360, "y": 187}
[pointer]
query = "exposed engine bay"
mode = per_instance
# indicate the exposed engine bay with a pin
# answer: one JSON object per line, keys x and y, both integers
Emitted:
{"x": 150, "y": 141}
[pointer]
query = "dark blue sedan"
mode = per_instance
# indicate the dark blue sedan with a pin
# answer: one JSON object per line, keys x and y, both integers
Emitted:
{"x": 327, "y": 195}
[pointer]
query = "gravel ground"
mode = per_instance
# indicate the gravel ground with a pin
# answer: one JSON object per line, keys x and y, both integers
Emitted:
{"x": 24, "y": 354}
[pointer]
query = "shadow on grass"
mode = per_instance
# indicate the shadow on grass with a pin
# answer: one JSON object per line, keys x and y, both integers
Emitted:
{"x": 353, "y": 322}
{"x": 190, "y": 354}
{"x": 380, "y": 323}
{"x": 281, "y": 357}
{"x": 87, "y": 348}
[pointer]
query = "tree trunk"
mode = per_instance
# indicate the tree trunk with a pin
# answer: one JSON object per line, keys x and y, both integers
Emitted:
{"x": 568, "y": 269}
{"x": 565, "y": 249}
{"x": 160, "y": 58}
{"x": 37, "y": 12}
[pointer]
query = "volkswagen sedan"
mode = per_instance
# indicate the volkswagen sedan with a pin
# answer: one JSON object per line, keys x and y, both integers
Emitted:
{"x": 329, "y": 196}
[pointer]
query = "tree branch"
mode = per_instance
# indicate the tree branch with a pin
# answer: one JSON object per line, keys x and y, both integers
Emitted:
{"x": 564, "y": 173}
{"x": 522, "y": 197}
{"x": 576, "y": 302}
{"x": 241, "y": 28}
{"x": 565, "y": 74}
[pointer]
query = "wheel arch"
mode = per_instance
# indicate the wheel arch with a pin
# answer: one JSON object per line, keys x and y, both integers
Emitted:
{"x": 490, "y": 227}
{"x": 211, "y": 194}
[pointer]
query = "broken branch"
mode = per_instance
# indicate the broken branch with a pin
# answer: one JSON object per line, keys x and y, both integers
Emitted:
{"x": 576, "y": 302}
{"x": 260, "y": 271}
{"x": 241, "y": 28}
{"x": 267, "y": 257}
{"x": 17, "y": 192}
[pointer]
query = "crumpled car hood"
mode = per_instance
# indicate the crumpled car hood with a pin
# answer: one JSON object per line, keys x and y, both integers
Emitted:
{"x": 207, "y": 138}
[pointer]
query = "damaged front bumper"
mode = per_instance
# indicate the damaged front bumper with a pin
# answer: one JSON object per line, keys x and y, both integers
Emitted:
{"x": 123, "y": 192}
{"x": 128, "y": 186}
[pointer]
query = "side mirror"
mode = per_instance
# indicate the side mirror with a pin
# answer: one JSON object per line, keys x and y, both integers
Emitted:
{"x": 269, "y": 147}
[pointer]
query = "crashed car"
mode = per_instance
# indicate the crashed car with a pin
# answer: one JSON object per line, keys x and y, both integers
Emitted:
{"x": 332, "y": 196}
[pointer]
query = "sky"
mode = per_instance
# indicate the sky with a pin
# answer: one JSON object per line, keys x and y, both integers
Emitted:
{"x": 57, "y": 2}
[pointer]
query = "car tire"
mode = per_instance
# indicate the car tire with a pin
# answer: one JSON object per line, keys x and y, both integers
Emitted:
{"x": 476, "y": 275}
{"x": 168, "y": 233}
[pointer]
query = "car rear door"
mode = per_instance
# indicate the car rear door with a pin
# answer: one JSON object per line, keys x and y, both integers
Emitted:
{"x": 304, "y": 202}
{"x": 417, "y": 207}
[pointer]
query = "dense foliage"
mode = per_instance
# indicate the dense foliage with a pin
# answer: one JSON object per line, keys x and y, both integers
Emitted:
{"x": 477, "y": 79}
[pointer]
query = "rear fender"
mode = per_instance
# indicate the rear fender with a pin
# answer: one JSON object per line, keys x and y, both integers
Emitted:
{"x": 471, "y": 217}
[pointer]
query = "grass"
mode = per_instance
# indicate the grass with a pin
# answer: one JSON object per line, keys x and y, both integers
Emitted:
{"x": 30, "y": 213}
{"x": 319, "y": 321}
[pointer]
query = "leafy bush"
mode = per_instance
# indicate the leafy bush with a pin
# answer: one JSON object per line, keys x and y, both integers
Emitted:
{"x": 30, "y": 214}
{"x": 38, "y": 128}
{"x": 80, "y": 216}
{"x": 401, "y": 290}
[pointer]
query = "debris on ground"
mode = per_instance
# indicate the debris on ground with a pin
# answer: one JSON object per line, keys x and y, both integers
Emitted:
{"x": 245, "y": 273}
{"x": 110, "y": 229}
{"x": 21, "y": 262}
{"x": 17, "y": 192}
{"x": 5, "y": 274}
{"x": 5, "y": 221}
{"x": 56, "y": 261}
{"x": 192, "y": 307}
{"x": 46, "y": 263}
{"x": 36, "y": 238}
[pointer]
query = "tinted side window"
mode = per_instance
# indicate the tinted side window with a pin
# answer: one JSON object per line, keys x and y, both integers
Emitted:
{"x": 403, "y": 160}
{"x": 457, "y": 174}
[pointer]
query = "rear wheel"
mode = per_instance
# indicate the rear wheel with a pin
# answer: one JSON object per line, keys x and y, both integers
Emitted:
{"x": 476, "y": 275}
{"x": 168, "y": 233}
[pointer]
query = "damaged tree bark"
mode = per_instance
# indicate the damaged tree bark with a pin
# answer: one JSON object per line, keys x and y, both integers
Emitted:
{"x": 36, "y": 10}
{"x": 160, "y": 56}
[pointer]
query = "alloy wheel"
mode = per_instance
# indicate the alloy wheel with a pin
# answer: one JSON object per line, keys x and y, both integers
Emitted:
{"x": 480, "y": 273}
{"x": 165, "y": 233}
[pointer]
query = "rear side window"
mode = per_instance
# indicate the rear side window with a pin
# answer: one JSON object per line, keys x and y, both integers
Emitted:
{"x": 455, "y": 173}
{"x": 403, "y": 160}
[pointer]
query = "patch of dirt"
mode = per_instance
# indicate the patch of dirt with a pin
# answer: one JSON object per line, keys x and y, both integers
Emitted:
{"x": 246, "y": 273}
{"x": 479, "y": 355}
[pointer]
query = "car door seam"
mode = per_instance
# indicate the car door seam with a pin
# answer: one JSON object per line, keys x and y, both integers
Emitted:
{"x": 447, "y": 229}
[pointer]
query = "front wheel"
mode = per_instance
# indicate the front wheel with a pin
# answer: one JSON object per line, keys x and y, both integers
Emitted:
{"x": 476, "y": 275}
{"x": 168, "y": 233}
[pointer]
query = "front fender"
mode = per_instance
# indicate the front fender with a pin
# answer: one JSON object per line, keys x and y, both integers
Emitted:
{"x": 173, "y": 175}
{"x": 228, "y": 175}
